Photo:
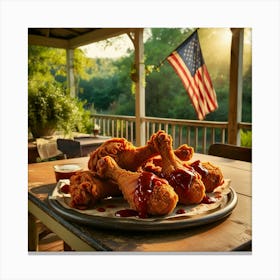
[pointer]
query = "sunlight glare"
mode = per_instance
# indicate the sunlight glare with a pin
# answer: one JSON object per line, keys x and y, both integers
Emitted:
{"x": 225, "y": 36}
{"x": 115, "y": 47}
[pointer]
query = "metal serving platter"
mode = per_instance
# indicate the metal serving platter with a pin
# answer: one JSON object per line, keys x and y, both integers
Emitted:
{"x": 103, "y": 215}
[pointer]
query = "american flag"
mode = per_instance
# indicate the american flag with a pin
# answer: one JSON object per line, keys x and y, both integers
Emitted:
{"x": 188, "y": 63}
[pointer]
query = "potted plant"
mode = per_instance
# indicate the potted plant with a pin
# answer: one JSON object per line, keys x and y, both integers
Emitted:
{"x": 50, "y": 108}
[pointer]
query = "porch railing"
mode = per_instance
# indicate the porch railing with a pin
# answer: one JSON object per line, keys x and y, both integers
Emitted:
{"x": 198, "y": 134}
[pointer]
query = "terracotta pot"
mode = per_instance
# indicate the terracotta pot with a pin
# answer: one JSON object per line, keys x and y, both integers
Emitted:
{"x": 42, "y": 131}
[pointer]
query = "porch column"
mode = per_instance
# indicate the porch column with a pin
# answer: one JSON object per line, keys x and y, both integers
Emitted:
{"x": 140, "y": 87}
{"x": 235, "y": 87}
{"x": 70, "y": 71}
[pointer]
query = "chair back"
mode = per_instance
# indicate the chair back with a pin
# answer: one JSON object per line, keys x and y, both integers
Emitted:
{"x": 231, "y": 151}
{"x": 70, "y": 148}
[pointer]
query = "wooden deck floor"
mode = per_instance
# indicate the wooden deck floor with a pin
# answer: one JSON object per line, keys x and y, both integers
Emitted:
{"x": 51, "y": 243}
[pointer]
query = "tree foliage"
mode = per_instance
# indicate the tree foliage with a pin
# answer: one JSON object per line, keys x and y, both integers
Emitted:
{"x": 105, "y": 85}
{"x": 49, "y": 105}
{"x": 164, "y": 92}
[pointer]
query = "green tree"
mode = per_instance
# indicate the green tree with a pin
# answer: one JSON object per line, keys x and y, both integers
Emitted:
{"x": 110, "y": 89}
{"x": 49, "y": 64}
{"x": 164, "y": 93}
{"x": 48, "y": 102}
{"x": 165, "y": 96}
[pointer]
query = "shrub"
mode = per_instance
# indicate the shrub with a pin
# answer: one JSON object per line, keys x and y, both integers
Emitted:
{"x": 50, "y": 108}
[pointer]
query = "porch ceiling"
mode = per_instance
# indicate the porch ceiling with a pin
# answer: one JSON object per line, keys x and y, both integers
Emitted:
{"x": 70, "y": 38}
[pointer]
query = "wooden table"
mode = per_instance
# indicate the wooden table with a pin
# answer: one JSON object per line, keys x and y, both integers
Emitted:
{"x": 87, "y": 144}
{"x": 233, "y": 233}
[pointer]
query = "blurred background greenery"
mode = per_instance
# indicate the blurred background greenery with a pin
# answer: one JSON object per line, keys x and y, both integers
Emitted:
{"x": 104, "y": 84}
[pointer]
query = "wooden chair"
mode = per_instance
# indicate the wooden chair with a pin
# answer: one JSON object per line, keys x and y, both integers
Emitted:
{"x": 231, "y": 151}
{"x": 70, "y": 148}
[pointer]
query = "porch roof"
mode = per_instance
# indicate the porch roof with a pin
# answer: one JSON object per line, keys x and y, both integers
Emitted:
{"x": 71, "y": 38}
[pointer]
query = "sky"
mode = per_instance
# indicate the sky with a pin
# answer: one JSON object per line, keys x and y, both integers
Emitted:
{"x": 105, "y": 49}
{"x": 112, "y": 48}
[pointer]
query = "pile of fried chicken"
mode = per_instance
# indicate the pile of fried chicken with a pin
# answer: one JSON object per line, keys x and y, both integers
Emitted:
{"x": 152, "y": 178}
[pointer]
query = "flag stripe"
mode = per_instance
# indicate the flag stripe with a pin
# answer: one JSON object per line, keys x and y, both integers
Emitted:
{"x": 204, "y": 87}
{"x": 188, "y": 63}
{"x": 206, "y": 82}
{"x": 194, "y": 84}
{"x": 201, "y": 110}
{"x": 183, "y": 74}
{"x": 191, "y": 90}
{"x": 201, "y": 89}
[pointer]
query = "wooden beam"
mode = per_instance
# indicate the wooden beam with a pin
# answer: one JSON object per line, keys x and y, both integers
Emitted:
{"x": 97, "y": 35}
{"x": 47, "y": 42}
{"x": 70, "y": 72}
{"x": 235, "y": 87}
{"x": 140, "y": 87}
{"x": 85, "y": 39}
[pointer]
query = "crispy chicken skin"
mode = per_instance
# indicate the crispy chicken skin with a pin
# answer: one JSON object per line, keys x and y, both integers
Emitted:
{"x": 123, "y": 152}
{"x": 153, "y": 164}
{"x": 130, "y": 157}
{"x": 184, "y": 152}
{"x": 184, "y": 179}
{"x": 86, "y": 189}
{"x": 152, "y": 178}
{"x": 211, "y": 175}
{"x": 145, "y": 192}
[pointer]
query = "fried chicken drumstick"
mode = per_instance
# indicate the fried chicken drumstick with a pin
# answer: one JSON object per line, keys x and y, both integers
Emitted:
{"x": 128, "y": 156}
{"x": 211, "y": 175}
{"x": 145, "y": 192}
{"x": 86, "y": 189}
{"x": 123, "y": 152}
{"x": 184, "y": 179}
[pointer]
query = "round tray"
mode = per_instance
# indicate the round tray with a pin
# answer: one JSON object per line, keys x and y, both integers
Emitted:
{"x": 155, "y": 224}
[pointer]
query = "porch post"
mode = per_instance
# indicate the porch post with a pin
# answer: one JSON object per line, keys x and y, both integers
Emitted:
{"x": 235, "y": 87}
{"x": 140, "y": 87}
{"x": 70, "y": 71}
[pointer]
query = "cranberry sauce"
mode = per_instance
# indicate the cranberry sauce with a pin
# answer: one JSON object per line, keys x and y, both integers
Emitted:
{"x": 208, "y": 200}
{"x": 145, "y": 185}
{"x": 198, "y": 167}
{"x": 126, "y": 213}
{"x": 180, "y": 180}
{"x": 101, "y": 209}
{"x": 181, "y": 211}
{"x": 65, "y": 189}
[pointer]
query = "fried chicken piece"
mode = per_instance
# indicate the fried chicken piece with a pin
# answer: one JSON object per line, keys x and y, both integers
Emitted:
{"x": 211, "y": 175}
{"x": 154, "y": 165}
{"x": 145, "y": 192}
{"x": 123, "y": 152}
{"x": 130, "y": 157}
{"x": 184, "y": 179}
{"x": 184, "y": 152}
{"x": 86, "y": 189}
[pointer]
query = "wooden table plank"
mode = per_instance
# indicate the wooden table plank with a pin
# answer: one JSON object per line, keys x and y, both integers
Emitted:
{"x": 225, "y": 235}
{"x": 232, "y": 169}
